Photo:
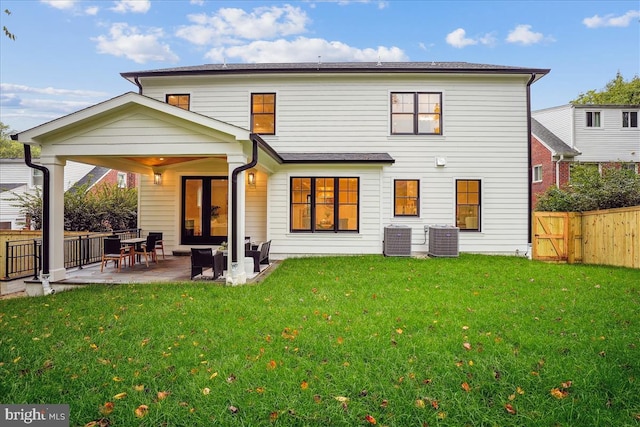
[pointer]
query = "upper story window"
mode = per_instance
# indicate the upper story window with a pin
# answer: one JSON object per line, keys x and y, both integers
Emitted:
{"x": 325, "y": 204}
{"x": 593, "y": 119}
{"x": 406, "y": 197}
{"x": 629, "y": 119}
{"x": 416, "y": 113}
{"x": 263, "y": 113}
{"x": 468, "y": 204}
{"x": 179, "y": 100}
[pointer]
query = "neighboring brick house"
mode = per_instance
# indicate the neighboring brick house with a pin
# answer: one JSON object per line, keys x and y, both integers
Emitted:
{"x": 592, "y": 134}
{"x": 550, "y": 160}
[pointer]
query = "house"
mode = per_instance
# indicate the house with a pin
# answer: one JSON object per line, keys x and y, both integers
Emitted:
{"x": 16, "y": 179}
{"x": 592, "y": 134}
{"x": 318, "y": 158}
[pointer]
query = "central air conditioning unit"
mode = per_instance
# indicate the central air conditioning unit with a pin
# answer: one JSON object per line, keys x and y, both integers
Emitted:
{"x": 397, "y": 240}
{"x": 443, "y": 241}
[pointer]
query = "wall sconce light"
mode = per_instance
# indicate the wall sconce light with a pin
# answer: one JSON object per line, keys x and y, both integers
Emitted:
{"x": 251, "y": 179}
{"x": 157, "y": 178}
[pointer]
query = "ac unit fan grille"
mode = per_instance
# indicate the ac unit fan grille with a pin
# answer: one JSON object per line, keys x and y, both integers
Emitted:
{"x": 443, "y": 242}
{"x": 397, "y": 241}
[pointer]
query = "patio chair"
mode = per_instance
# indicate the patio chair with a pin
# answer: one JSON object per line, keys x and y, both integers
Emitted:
{"x": 206, "y": 264}
{"x": 159, "y": 242}
{"x": 114, "y": 251}
{"x": 148, "y": 249}
{"x": 260, "y": 255}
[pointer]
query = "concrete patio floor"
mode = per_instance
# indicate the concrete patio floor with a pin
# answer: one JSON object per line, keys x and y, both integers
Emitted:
{"x": 170, "y": 269}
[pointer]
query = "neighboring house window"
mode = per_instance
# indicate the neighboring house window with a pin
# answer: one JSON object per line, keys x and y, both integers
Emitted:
{"x": 325, "y": 204}
{"x": 629, "y": 119}
{"x": 537, "y": 173}
{"x": 629, "y": 166}
{"x": 468, "y": 204}
{"x": 406, "y": 197}
{"x": 122, "y": 180}
{"x": 36, "y": 177}
{"x": 263, "y": 113}
{"x": 416, "y": 113}
{"x": 179, "y": 100}
{"x": 593, "y": 119}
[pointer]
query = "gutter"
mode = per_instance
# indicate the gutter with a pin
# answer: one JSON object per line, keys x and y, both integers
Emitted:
{"x": 46, "y": 288}
{"x": 529, "y": 172}
{"x": 136, "y": 80}
{"x": 234, "y": 195}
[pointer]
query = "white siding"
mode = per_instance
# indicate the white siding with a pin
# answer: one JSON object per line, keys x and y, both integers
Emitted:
{"x": 485, "y": 137}
{"x": 558, "y": 120}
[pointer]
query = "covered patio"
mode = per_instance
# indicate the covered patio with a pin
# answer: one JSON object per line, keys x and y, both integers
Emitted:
{"x": 172, "y": 269}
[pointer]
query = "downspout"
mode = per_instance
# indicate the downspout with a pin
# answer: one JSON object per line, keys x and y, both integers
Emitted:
{"x": 46, "y": 288}
{"x": 557, "y": 177}
{"x": 234, "y": 196}
{"x": 137, "y": 82}
{"x": 529, "y": 172}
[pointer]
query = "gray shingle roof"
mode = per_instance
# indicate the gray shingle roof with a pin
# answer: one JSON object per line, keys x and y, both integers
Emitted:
{"x": 336, "y": 158}
{"x": 557, "y": 145}
{"x": 338, "y": 67}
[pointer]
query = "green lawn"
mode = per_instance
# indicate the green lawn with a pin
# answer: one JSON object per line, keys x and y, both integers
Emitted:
{"x": 345, "y": 341}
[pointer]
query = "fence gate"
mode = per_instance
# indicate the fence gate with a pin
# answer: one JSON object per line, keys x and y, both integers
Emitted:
{"x": 550, "y": 236}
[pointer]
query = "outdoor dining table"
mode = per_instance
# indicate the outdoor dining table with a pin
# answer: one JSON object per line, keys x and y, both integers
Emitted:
{"x": 137, "y": 245}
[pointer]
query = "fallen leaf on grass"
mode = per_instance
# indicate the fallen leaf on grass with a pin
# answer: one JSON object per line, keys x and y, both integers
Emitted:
{"x": 420, "y": 403}
{"x": 206, "y": 391}
{"x": 233, "y": 409}
{"x": 120, "y": 396}
{"x": 342, "y": 399}
{"x": 141, "y": 411}
{"x": 465, "y": 386}
{"x": 559, "y": 394}
{"x": 107, "y": 408}
{"x": 304, "y": 385}
{"x": 467, "y": 346}
{"x": 163, "y": 395}
{"x": 370, "y": 419}
{"x": 510, "y": 409}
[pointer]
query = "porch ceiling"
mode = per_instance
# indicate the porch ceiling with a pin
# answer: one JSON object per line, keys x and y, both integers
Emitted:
{"x": 161, "y": 161}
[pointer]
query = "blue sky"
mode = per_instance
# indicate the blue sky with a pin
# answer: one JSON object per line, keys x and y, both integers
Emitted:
{"x": 67, "y": 54}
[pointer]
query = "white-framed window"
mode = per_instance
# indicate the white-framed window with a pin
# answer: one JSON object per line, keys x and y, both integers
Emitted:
{"x": 537, "y": 173}
{"x": 593, "y": 119}
{"x": 629, "y": 119}
{"x": 122, "y": 180}
{"x": 36, "y": 177}
{"x": 629, "y": 166}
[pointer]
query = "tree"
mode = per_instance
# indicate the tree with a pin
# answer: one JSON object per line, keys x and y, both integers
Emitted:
{"x": 616, "y": 187}
{"x": 11, "y": 149}
{"x": 616, "y": 92}
{"x": 6, "y": 30}
{"x": 105, "y": 208}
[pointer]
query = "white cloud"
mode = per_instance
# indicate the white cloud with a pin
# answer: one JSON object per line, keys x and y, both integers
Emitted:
{"x": 381, "y": 3}
{"x": 13, "y": 88}
{"x": 457, "y": 38}
{"x": 92, "y": 10}
{"x": 197, "y": 2}
{"x": 304, "y": 49}
{"x": 230, "y": 24}
{"x": 611, "y": 21}
{"x": 129, "y": 42}
{"x": 522, "y": 34}
{"x": 135, "y": 6}
{"x": 60, "y": 4}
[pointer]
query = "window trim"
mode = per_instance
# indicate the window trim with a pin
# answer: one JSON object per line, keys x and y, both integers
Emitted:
{"x": 630, "y": 120}
{"x": 416, "y": 112}
{"x": 252, "y": 113}
{"x": 533, "y": 173}
{"x": 589, "y": 117}
{"x": 395, "y": 198}
{"x": 311, "y": 197}
{"x": 479, "y": 209}
{"x": 188, "y": 95}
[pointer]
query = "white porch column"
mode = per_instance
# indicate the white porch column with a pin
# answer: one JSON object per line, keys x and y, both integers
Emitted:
{"x": 56, "y": 217}
{"x": 236, "y": 274}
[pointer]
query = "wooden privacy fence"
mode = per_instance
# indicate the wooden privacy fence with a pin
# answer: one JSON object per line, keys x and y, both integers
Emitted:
{"x": 608, "y": 237}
